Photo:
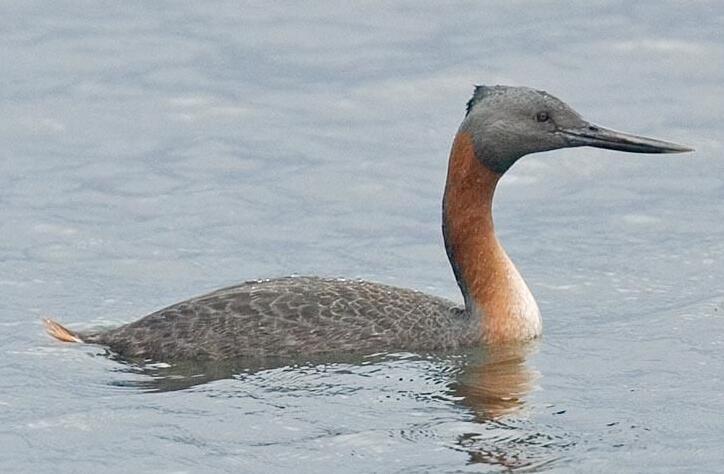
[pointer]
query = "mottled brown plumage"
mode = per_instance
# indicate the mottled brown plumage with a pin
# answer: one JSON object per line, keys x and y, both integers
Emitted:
{"x": 293, "y": 315}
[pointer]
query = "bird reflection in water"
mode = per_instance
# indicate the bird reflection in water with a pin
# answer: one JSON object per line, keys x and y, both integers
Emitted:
{"x": 498, "y": 383}
{"x": 495, "y": 386}
{"x": 491, "y": 383}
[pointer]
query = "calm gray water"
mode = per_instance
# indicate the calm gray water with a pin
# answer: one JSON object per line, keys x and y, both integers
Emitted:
{"x": 154, "y": 151}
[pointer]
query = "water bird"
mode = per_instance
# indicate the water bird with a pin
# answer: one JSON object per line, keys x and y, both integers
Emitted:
{"x": 311, "y": 315}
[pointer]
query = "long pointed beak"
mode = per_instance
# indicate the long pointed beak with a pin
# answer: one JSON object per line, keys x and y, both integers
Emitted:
{"x": 592, "y": 135}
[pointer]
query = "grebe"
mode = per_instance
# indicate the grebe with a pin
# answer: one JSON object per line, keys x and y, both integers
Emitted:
{"x": 309, "y": 315}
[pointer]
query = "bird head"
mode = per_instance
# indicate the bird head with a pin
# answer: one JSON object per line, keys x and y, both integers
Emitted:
{"x": 507, "y": 123}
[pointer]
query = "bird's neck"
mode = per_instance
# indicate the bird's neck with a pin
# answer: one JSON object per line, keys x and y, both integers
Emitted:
{"x": 493, "y": 289}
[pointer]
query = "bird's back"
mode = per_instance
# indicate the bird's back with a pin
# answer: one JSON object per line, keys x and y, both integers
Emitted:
{"x": 294, "y": 315}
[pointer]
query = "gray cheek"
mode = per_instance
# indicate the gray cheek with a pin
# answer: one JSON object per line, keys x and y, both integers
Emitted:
{"x": 497, "y": 154}
{"x": 497, "y": 143}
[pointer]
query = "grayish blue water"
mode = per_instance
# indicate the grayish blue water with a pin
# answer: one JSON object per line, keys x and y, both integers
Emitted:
{"x": 153, "y": 151}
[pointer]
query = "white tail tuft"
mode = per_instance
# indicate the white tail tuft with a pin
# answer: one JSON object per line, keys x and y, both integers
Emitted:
{"x": 59, "y": 332}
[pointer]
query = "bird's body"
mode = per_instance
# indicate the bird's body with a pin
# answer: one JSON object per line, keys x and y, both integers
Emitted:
{"x": 308, "y": 315}
{"x": 294, "y": 315}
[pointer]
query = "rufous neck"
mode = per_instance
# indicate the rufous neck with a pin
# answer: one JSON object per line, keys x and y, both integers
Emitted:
{"x": 493, "y": 289}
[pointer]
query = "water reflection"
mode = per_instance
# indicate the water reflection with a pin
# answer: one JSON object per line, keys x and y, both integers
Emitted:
{"x": 491, "y": 382}
{"x": 494, "y": 385}
{"x": 498, "y": 383}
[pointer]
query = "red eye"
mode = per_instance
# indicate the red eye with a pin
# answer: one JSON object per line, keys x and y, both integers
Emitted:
{"x": 542, "y": 116}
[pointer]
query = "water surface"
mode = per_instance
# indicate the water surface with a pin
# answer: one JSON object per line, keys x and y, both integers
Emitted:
{"x": 152, "y": 152}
